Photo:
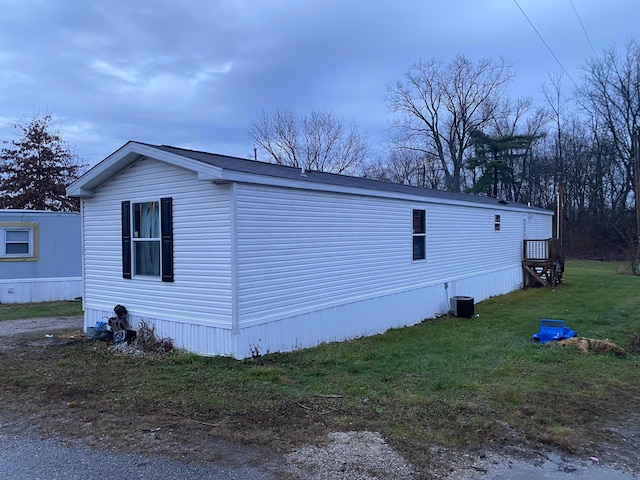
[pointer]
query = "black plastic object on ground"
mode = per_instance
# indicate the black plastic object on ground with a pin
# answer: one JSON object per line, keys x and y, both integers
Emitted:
{"x": 120, "y": 327}
{"x": 462, "y": 306}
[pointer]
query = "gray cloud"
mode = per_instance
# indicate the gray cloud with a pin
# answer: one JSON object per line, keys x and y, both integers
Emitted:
{"x": 196, "y": 73}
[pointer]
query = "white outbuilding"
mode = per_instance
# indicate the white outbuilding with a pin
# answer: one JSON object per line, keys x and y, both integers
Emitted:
{"x": 229, "y": 256}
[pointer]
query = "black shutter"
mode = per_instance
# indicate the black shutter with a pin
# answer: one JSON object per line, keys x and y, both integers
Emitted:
{"x": 166, "y": 228}
{"x": 126, "y": 239}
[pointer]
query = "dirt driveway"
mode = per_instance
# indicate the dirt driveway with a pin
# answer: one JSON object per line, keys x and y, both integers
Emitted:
{"x": 36, "y": 325}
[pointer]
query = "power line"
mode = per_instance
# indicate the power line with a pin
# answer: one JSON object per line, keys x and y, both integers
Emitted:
{"x": 583, "y": 29}
{"x": 545, "y": 44}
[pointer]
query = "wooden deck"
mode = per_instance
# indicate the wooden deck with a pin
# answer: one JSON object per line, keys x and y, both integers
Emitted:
{"x": 542, "y": 262}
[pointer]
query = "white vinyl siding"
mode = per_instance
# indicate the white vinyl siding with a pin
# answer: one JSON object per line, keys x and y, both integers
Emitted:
{"x": 261, "y": 268}
{"x": 302, "y": 250}
{"x": 201, "y": 290}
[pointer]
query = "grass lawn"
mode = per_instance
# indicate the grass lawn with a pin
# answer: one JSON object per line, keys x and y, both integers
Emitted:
{"x": 454, "y": 382}
{"x": 12, "y": 311}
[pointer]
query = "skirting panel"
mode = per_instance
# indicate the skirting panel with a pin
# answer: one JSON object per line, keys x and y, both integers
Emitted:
{"x": 337, "y": 323}
{"x": 370, "y": 317}
{"x": 28, "y": 290}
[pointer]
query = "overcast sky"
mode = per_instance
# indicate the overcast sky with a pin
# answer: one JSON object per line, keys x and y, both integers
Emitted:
{"x": 196, "y": 73}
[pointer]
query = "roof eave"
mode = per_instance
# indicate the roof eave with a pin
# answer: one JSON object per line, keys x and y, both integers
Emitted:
{"x": 302, "y": 183}
{"x": 126, "y": 155}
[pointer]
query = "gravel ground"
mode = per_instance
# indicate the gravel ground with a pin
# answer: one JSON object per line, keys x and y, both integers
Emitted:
{"x": 350, "y": 456}
{"x": 35, "y": 325}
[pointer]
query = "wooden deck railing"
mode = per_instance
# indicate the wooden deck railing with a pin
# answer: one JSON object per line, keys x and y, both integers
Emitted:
{"x": 547, "y": 249}
{"x": 542, "y": 262}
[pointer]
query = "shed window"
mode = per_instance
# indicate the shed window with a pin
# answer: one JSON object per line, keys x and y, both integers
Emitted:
{"x": 496, "y": 223}
{"x": 147, "y": 239}
{"x": 18, "y": 241}
{"x": 419, "y": 234}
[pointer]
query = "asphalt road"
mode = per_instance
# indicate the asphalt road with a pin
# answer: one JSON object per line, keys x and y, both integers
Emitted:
{"x": 24, "y": 457}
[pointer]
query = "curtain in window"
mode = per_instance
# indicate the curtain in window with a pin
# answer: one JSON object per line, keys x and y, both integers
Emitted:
{"x": 150, "y": 220}
{"x": 147, "y": 256}
{"x": 151, "y": 241}
{"x": 147, "y": 251}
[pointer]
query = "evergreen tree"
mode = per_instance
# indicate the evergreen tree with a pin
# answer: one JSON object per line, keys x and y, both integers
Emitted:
{"x": 498, "y": 167}
{"x": 36, "y": 169}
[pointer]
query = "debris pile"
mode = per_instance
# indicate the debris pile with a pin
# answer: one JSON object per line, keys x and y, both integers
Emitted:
{"x": 149, "y": 342}
{"x": 125, "y": 339}
{"x": 593, "y": 345}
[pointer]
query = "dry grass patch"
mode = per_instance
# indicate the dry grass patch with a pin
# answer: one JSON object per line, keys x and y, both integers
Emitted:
{"x": 593, "y": 345}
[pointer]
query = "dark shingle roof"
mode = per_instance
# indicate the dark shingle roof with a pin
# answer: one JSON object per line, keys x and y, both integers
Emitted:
{"x": 293, "y": 173}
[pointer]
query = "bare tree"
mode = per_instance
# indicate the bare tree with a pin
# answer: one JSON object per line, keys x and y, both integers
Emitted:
{"x": 440, "y": 104}
{"x": 35, "y": 170}
{"x": 611, "y": 93}
{"x": 317, "y": 141}
{"x": 406, "y": 167}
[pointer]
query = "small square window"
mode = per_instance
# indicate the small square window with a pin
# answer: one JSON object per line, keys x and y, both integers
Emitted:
{"x": 18, "y": 241}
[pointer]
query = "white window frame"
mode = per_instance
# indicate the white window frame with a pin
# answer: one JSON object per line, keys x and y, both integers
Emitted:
{"x": 31, "y": 228}
{"x": 135, "y": 239}
{"x": 419, "y": 235}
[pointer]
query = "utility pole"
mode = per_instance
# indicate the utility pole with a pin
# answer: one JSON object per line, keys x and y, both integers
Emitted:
{"x": 559, "y": 214}
{"x": 635, "y": 154}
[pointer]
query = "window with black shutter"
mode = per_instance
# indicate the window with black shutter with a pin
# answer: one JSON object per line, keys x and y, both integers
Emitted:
{"x": 147, "y": 239}
{"x": 166, "y": 226}
{"x": 126, "y": 239}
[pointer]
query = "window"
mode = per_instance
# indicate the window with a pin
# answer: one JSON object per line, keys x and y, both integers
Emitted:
{"x": 496, "y": 223}
{"x": 18, "y": 241}
{"x": 147, "y": 239}
{"x": 419, "y": 235}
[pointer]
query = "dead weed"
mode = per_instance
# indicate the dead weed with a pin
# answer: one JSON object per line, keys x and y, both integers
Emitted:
{"x": 147, "y": 340}
{"x": 593, "y": 345}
